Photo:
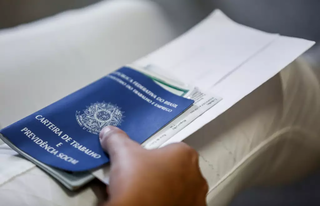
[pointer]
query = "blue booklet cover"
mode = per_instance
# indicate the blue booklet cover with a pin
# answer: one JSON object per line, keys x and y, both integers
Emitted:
{"x": 65, "y": 134}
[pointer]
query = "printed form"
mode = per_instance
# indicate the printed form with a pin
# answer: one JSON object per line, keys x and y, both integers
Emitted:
{"x": 226, "y": 61}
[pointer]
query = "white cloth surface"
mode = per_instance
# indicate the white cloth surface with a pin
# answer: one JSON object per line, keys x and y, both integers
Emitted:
{"x": 84, "y": 45}
{"x": 76, "y": 46}
{"x": 264, "y": 139}
{"x": 270, "y": 137}
{"x": 11, "y": 165}
{"x": 49, "y": 59}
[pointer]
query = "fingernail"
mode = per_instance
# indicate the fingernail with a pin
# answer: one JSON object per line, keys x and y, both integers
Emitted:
{"x": 104, "y": 132}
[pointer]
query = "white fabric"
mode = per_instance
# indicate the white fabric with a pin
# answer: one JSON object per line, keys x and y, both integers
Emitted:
{"x": 77, "y": 47}
{"x": 271, "y": 136}
{"x": 10, "y": 164}
{"x": 69, "y": 51}
{"x": 73, "y": 49}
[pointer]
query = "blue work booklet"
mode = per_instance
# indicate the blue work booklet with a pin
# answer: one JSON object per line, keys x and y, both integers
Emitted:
{"x": 65, "y": 134}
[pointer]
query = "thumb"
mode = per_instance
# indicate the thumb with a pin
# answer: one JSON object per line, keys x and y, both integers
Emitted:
{"x": 116, "y": 142}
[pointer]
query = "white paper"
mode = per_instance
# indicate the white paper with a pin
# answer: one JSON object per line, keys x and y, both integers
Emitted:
{"x": 200, "y": 106}
{"x": 210, "y": 51}
{"x": 222, "y": 58}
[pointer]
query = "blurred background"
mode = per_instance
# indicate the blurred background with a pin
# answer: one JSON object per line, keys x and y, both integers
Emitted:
{"x": 298, "y": 18}
{"x": 288, "y": 17}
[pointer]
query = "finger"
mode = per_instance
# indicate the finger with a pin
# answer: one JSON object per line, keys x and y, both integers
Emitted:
{"x": 114, "y": 141}
{"x": 107, "y": 190}
{"x": 180, "y": 148}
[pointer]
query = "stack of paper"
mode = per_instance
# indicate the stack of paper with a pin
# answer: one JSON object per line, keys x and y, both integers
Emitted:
{"x": 223, "y": 59}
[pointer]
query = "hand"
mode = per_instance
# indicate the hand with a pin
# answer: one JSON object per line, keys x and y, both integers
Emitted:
{"x": 169, "y": 176}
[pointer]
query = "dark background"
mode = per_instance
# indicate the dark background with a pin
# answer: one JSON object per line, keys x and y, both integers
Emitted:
{"x": 288, "y": 17}
{"x": 298, "y": 18}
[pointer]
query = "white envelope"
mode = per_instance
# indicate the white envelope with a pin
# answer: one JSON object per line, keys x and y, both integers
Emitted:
{"x": 222, "y": 58}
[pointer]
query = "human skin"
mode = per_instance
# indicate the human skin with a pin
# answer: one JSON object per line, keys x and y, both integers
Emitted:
{"x": 169, "y": 176}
